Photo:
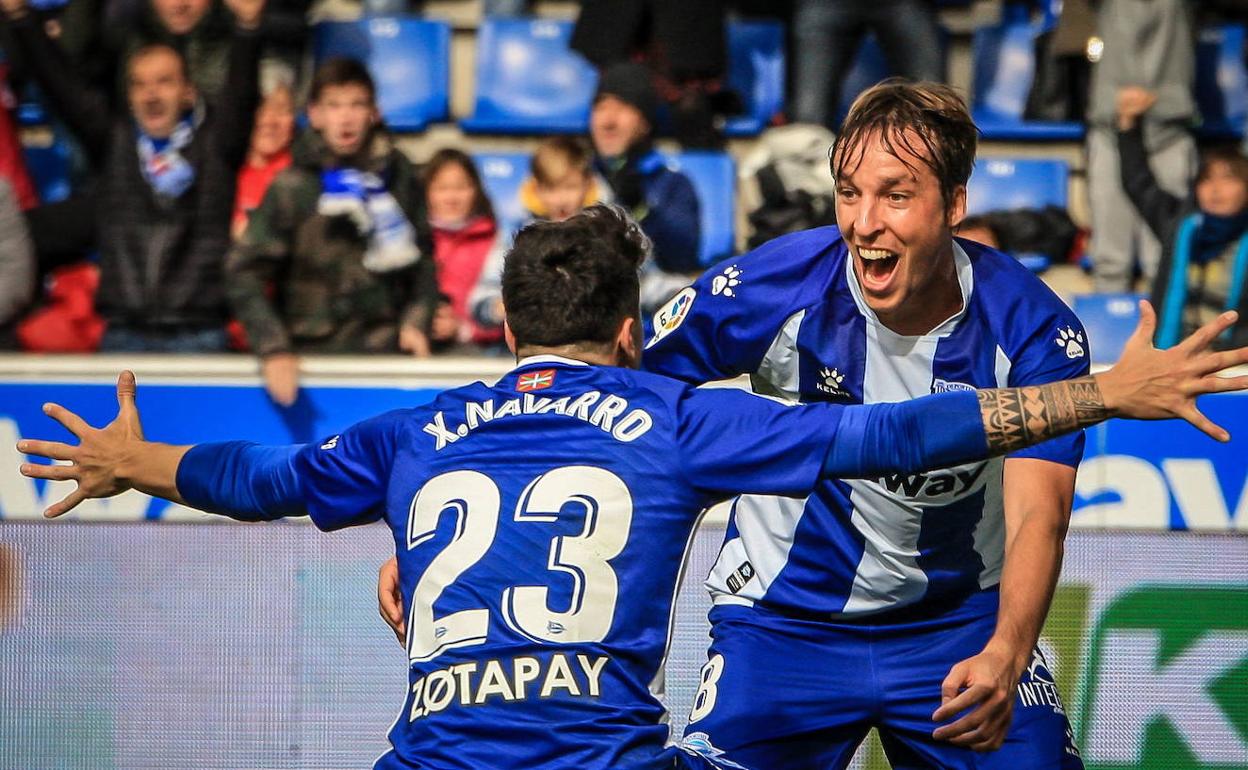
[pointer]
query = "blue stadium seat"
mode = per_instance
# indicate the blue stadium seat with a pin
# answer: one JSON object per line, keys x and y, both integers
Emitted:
{"x": 712, "y": 173}
{"x": 528, "y": 80}
{"x": 408, "y": 56}
{"x": 1222, "y": 82}
{"x": 1003, "y": 184}
{"x": 1004, "y": 67}
{"x": 1109, "y": 320}
{"x": 755, "y": 71}
{"x": 48, "y": 163}
{"x": 714, "y": 178}
{"x": 502, "y": 174}
{"x": 870, "y": 67}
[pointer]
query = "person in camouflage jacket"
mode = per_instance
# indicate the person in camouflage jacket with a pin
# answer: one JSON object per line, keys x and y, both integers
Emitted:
{"x": 336, "y": 257}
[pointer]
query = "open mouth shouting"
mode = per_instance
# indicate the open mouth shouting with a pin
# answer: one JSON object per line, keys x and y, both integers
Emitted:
{"x": 876, "y": 268}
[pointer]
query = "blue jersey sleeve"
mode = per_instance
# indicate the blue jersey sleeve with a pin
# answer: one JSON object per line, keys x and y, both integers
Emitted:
{"x": 732, "y": 442}
{"x": 723, "y": 325}
{"x": 1057, "y": 350}
{"x": 343, "y": 479}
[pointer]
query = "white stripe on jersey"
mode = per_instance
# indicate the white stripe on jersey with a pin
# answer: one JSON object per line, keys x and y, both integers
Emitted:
{"x": 767, "y": 524}
{"x": 778, "y": 373}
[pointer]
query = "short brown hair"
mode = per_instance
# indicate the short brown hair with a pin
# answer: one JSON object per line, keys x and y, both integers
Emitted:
{"x": 341, "y": 71}
{"x": 556, "y": 156}
{"x": 934, "y": 112}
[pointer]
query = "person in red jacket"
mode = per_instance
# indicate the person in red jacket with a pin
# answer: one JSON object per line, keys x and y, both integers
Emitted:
{"x": 267, "y": 155}
{"x": 464, "y": 230}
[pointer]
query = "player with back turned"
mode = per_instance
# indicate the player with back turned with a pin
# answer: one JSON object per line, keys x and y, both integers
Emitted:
{"x": 541, "y": 522}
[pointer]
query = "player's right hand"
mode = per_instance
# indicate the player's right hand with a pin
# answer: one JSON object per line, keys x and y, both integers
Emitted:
{"x": 390, "y": 599}
{"x": 281, "y": 377}
{"x": 1152, "y": 384}
{"x": 101, "y": 453}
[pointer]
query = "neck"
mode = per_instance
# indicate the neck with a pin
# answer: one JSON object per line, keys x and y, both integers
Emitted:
{"x": 941, "y": 299}
{"x": 596, "y": 355}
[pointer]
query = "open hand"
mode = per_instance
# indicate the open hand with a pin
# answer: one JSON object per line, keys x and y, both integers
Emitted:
{"x": 101, "y": 453}
{"x": 1152, "y": 384}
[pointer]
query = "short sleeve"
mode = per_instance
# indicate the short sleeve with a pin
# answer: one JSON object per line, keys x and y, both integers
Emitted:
{"x": 1058, "y": 351}
{"x": 733, "y": 442}
{"x": 723, "y": 324}
{"x": 343, "y": 479}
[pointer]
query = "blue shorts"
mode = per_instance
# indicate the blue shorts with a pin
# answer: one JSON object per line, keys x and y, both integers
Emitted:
{"x": 782, "y": 693}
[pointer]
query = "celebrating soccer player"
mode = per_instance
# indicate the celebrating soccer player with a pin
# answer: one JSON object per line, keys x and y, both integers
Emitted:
{"x": 909, "y": 602}
{"x": 541, "y": 522}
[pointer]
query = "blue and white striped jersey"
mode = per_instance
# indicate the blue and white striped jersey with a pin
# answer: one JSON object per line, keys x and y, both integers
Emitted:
{"x": 791, "y": 315}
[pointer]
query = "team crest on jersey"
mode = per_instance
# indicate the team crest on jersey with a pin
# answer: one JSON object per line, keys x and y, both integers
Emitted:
{"x": 700, "y": 744}
{"x": 535, "y": 380}
{"x": 726, "y": 283}
{"x": 830, "y": 382}
{"x": 1071, "y": 341}
{"x": 945, "y": 386}
{"x": 672, "y": 315}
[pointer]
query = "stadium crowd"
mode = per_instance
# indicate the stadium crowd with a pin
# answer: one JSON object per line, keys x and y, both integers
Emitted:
{"x": 209, "y": 211}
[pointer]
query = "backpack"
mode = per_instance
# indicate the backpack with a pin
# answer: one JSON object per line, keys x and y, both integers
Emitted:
{"x": 795, "y": 191}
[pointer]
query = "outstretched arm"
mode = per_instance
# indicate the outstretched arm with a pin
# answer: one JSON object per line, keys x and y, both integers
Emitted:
{"x": 941, "y": 430}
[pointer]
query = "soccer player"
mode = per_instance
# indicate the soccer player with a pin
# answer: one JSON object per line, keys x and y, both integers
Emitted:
{"x": 932, "y": 586}
{"x": 541, "y": 522}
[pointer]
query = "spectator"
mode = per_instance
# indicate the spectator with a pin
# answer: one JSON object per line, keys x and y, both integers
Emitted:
{"x": 637, "y": 177}
{"x": 17, "y": 265}
{"x": 1148, "y": 45}
{"x": 561, "y": 182}
{"x": 1204, "y": 234}
{"x": 12, "y": 164}
{"x": 828, "y": 33}
{"x": 341, "y": 234}
{"x": 167, "y": 175}
{"x": 464, "y": 232}
{"x": 267, "y": 155}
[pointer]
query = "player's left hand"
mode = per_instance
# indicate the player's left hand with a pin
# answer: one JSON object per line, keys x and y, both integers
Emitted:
{"x": 96, "y": 462}
{"x": 985, "y": 685}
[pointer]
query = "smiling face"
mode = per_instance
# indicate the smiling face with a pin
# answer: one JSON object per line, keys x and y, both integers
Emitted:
{"x": 899, "y": 231}
{"x": 615, "y": 125}
{"x": 158, "y": 90}
{"x": 344, "y": 115}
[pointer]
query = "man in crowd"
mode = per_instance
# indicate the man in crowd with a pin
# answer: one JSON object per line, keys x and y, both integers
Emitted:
{"x": 932, "y": 585}
{"x": 512, "y": 665}
{"x": 661, "y": 200}
{"x": 341, "y": 237}
{"x": 166, "y": 175}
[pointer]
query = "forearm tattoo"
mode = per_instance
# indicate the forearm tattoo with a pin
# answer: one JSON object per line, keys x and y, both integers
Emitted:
{"x": 1020, "y": 417}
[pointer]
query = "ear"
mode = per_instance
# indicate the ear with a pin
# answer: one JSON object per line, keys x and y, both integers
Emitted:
{"x": 315, "y": 116}
{"x": 957, "y": 207}
{"x": 628, "y": 343}
{"x": 509, "y": 337}
{"x": 190, "y": 94}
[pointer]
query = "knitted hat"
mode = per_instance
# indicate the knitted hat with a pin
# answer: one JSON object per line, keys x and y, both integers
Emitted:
{"x": 630, "y": 83}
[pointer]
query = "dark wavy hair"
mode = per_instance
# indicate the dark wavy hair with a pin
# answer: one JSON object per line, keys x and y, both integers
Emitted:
{"x": 574, "y": 282}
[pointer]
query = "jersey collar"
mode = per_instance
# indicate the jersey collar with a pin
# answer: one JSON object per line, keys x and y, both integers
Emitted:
{"x": 546, "y": 358}
{"x": 966, "y": 282}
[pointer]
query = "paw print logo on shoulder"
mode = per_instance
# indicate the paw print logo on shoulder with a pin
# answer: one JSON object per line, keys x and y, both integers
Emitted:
{"x": 830, "y": 382}
{"x": 726, "y": 283}
{"x": 1071, "y": 341}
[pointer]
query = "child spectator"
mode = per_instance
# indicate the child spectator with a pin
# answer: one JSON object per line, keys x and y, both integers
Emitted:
{"x": 341, "y": 235}
{"x": 1204, "y": 236}
{"x": 464, "y": 231}
{"x": 166, "y": 177}
{"x": 561, "y": 182}
{"x": 268, "y": 154}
